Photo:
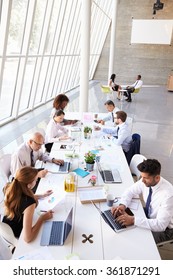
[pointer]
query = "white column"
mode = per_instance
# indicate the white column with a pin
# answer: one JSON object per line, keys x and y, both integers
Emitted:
{"x": 113, "y": 36}
{"x": 85, "y": 55}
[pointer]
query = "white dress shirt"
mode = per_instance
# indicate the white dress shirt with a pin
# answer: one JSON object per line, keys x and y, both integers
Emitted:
{"x": 109, "y": 117}
{"x": 137, "y": 84}
{"x": 123, "y": 138}
{"x": 53, "y": 131}
{"x": 22, "y": 157}
{"x": 161, "y": 206}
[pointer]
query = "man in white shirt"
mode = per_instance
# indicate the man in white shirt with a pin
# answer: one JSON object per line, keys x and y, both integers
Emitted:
{"x": 29, "y": 152}
{"x": 120, "y": 135}
{"x": 112, "y": 109}
{"x": 131, "y": 88}
{"x": 159, "y": 210}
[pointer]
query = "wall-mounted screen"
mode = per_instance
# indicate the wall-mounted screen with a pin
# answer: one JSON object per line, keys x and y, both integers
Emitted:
{"x": 151, "y": 31}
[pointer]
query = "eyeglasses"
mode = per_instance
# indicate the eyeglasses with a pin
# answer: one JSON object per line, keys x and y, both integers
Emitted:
{"x": 39, "y": 144}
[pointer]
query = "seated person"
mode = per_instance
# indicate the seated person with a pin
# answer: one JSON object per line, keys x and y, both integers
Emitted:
{"x": 28, "y": 153}
{"x": 157, "y": 193}
{"x": 59, "y": 103}
{"x": 130, "y": 89}
{"x": 55, "y": 131}
{"x": 110, "y": 107}
{"x": 120, "y": 135}
{"x": 113, "y": 86}
{"x": 20, "y": 203}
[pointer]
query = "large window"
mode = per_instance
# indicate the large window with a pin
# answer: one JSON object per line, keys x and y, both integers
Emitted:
{"x": 40, "y": 50}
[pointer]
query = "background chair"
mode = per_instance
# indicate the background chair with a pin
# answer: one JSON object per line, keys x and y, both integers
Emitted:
{"x": 5, "y": 162}
{"x": 7, "y": 234}
{"x": 136, "y": 159}
{"x": 5, "y": 252}
{"x": 134, "y": 148}
{"x": 106, "y": 90}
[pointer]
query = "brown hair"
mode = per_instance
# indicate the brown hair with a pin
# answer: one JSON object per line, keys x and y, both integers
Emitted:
{"x": 59, "y": 99}
{"x": 121, "y": 115}
{"x": 13, "y": 191}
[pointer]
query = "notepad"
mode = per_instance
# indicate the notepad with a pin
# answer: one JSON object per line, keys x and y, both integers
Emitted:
{"x": 81, "y": 172}
{"x": 88, "y": 194}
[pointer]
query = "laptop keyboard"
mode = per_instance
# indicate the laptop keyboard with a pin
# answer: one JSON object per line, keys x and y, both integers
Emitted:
{"x": 112, "y": 220}
{"x": 108, "y": 175}
{"x": 64, "y": 167}
{"x": 56, "y": 233}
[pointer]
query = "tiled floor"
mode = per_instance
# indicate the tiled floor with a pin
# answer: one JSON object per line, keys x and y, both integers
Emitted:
{"x": 152, "y": 114}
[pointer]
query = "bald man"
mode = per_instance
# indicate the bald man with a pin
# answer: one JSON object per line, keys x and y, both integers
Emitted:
{"x": 22, "y": 157}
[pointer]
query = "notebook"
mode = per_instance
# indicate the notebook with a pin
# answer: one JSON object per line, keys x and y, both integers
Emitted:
{"x": 109, "y": 176}
{"x": 110, "y": 219}
{"x": 56, "y": 232}
{"x": 54, "y": 168}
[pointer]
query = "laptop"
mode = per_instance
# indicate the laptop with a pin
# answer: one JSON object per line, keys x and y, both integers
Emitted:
{"x": 110, "y": 219}
{"x": 56, "y": 232}
{"x": 54, "y": 168}
{"x": 109, "y": 176}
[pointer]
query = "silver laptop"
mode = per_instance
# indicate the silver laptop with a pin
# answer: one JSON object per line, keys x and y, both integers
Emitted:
{"x": 111, "y": 220}
{"x": 109, "y": 176}
{"x": 54, "y": 168}
{"x": 56, "y": 232}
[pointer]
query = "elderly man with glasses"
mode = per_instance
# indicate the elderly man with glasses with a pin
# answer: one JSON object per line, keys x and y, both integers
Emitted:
{"x": 29, "y": 152}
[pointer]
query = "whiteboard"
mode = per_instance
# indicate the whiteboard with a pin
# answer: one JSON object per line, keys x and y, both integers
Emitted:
{"x": 152, "y": 31}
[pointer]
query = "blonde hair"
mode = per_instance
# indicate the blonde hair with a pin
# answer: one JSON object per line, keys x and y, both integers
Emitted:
{"x": 16, "y": 189}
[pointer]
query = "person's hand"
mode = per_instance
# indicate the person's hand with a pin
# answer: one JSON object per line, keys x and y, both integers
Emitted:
{"x": 47, "y": 215}
{"x": 58, "y": 161}
{"x": 118, "y": 211}
{"x": 47, "y": 193}
{"x": 64, "y": 137}
{"x": 125, "y": 219}
{"x": 96, "y": 128}
{"x": 102, "y": 122}
{"x": 42, "y": 173}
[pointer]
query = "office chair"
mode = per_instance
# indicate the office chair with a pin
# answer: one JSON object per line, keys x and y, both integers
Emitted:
{"x": 134, "y": 147}
{"x": 5, "y": 162}
{"x": 5, "y": 252}
{"x": 136, "y": 159}
{"x": 7, "y": 234}
{"x": 106, "y": 90}
{"x": 161, "y": 244}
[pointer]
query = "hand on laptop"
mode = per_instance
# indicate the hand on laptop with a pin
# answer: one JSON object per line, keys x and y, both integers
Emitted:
{"x": 58, "y": 161}
{"x": 125, "y": 219}
{"x": 118, "y": 211}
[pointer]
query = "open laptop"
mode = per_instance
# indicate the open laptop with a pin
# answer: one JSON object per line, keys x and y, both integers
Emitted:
{"x": 54, "y": 168}
{"x": 110, "y": 219}
{"x": 56, "y": 232}
{"x": 109, "y": 176}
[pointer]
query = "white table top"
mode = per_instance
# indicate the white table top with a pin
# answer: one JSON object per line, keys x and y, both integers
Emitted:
{"x": 133, "y": 244}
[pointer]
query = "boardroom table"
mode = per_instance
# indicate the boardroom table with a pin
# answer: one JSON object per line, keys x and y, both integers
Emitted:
{"x": 132, "y": 244}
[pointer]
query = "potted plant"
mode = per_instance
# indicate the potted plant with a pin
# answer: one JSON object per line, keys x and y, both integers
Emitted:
{"x": 87, "y": 132}
{"x": 90, "y": 160}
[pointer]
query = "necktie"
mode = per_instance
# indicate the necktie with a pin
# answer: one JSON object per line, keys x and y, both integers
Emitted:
{"x": 112, "y": 117}
{"x": 32, "y": 159}
{"x": 147, "y": 207}
{"x": 117, "y": 133}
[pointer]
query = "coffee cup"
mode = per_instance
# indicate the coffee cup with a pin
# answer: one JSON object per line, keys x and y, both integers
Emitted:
{"x": 110, "y": 200}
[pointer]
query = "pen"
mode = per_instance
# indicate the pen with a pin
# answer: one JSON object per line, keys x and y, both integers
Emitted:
{"x": 44, "y": 211}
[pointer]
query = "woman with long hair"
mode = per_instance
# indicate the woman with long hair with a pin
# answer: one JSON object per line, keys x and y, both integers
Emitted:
{"x": 20, "y": 203}
{"x": 113, "y": 86}
{"x": 59, "y": 103}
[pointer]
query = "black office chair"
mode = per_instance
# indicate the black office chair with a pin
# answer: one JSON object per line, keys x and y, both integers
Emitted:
{"x": 134, "y": 148}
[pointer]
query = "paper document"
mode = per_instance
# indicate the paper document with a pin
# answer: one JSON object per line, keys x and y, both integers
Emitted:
{"x": 88, "y": 194}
